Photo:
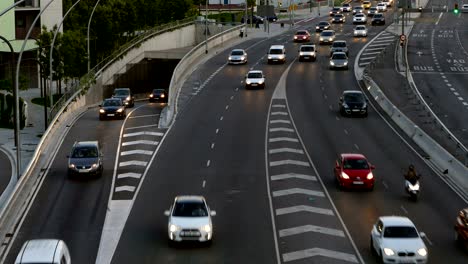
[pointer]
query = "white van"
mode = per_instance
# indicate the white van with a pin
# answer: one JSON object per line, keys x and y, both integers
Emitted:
{"x": 277, "y": 53}
{"x": 52, "y": 251}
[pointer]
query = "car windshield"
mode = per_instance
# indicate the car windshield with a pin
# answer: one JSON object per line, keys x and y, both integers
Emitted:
{"x": 254, "y": 75}
{"x": 276, "y": 51}
{"x": 237, "y": 53}
{"x": 378, "y": 16}
{"x": 112, "y": 103}
{"x": 339, "y": 56}
{"x": 360, "y": 28}
{"x": 301, "y": 33}
{"x": 327, "y": 33}
{"x": 359, "y": 15}
{"x": 400, "y": 232}
{"x": 338, "y": 15}
{"x": 307, "y": 48}
{"x": 354, "y": 98}
{"x": 323, "y": 23}
{"x": 355, "y": 164}
{"x": 121, "y": 92}
{"x": 158, "y": 91}
{"x": 85, "y": 152}
{"x": 190, "y": 209}
{"x": 336, "y": 9}
{"x": 339, "y": 44}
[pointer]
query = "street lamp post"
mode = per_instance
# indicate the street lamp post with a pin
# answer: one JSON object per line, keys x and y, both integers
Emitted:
{"x": 12, "y": 51}
{"x": 206, "y": 27}
{"x": 246, "y": 16}
{"x": 11, "y": 7}
{"x": 87, "y": 35}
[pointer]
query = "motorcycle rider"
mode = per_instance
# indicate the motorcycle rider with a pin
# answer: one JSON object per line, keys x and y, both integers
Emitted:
{"x": 411, "y": 174}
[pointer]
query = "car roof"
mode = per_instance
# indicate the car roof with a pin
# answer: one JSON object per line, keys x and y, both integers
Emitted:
{"x": 352, "y": 91}
{"x": 328, "y": 30}
{"x": 301, "y": 30}
{"x": 39, "y": 250}
{"x": 338, "y": 53}
{"x": 121, "y": 89}
{"x": 396, "y": 221}
{"x": 255, "y": 71}
{"x": 113, "y": 99}
{"x": 352, "y": 156}
{"x": 94, "y": 143}
{"x": 237, "y": 50}
{"x": 307, "y": 45}
{"x": 189, "y": 198}
{"x": 277, "y": 47}
{"x": 338, "y": 41}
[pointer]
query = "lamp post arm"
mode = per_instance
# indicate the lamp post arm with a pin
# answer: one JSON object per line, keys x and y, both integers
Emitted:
{"x": 11, "y": 7}
{"x": 87, "y": 34}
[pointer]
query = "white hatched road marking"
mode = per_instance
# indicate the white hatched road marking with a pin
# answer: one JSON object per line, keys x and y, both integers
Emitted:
{"x": 279, "y": 113}
{"x": 281, "y": 129}
{"x": 297, "y": 191}
{"x": 143, "y": 133}
{"x": 143, "y": 142}
{"x": 367, "y": 58}
{"x": 129, "y": 175}
{"x": 143, "y": 116}
{"x": 303, "y": 208}
{"x": 312, "y": 252}
{"x": 292, "y": 175}
{"x": 283, "y": 139}
{"x": 282, "y": 150}
{"x": 280, "y": 121}
{"x": 289, "y": 162}
{"x": 364, "y": 63}
{"x": 137, "y": 127}
{"x": 310, "y": 228}
{"x": 371, "y": 53}
{"x": 138, "y": 151}
{"x": 133, "y": 162}
{"x": 378, "y": 45}
{"x": 125, "y": 189}
{"x": 375, "y": 49}
{"x": 278, "y": 105}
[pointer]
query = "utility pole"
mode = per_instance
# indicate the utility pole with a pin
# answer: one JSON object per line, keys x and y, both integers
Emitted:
{"x": 206, "y": 27}
{"x": 245, "y": 20}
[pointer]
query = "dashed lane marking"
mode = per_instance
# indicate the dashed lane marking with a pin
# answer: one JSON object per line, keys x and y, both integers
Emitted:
{"x": 279, "y": 139}
{"x": 279, "y": 105}
{"x": 136, "y": 152}
{"x": 129, "y": 175}
{"x": 158, "y": 134}
{"x": 312, "y": 252}
{"x": 310, "y": 228}
{"x": 142, "y": 142}
{"x": 125, "y": 189}
{"x": 289, "y": 162}
{"x": 133, "y": 163}
{"x": 303, "y": 208}
{"x": 278, "y": 129}
{"x": 283, "y": 150}
{"x": 297, "y": 191}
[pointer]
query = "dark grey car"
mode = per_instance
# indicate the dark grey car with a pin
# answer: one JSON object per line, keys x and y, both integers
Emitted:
{"x": 353, "y": 103}
{"x": 125, "y": 94}
{"x": 85, "y": 159}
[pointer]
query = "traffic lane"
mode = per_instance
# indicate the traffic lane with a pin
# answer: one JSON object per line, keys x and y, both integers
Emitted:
{"x": 326, "y": 134}
{"x": 5, "y": 172}
{"x": 73, "y": 209}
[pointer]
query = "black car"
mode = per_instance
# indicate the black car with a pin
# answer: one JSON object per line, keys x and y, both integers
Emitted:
{"x": 125, "y": 94}
{"x": 378, "y": 19}
{"x": 159, "y": 95}
{"x": 353, "y": 103}
{"x": 85, "y": 159}
{"x": 322, "y": 25}
{"x": 338, "y": 18}
{"x": 112, "y": 108}
{"x": 334, "y": 11}
{"x": 272, "y": 18}
{"x": 256, "y": 19}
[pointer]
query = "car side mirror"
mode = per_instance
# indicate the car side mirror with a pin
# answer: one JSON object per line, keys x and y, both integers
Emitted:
{"x": 167, "y": 213}
{"x": 213, "y": 213}
{"x": 372, "y": 167}
{"x": 341, "y": 99}
{"x": 422, "y": 234}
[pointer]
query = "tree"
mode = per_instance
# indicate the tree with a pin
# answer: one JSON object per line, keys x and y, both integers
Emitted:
{"x": 44, "y": 42}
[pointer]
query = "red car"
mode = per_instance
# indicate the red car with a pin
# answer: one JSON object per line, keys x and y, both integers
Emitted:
{"x": 302, "y": 35}
{"x": 354, "y": 171}
{"x": 461, "y": 228}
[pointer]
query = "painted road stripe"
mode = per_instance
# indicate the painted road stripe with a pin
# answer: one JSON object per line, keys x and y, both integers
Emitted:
{"x": 282, "y": 150}
{"x": 125, "y": 188}
{"x": 289, "y": 162}
{"x": 133, "y": 162}
{"x": 371, "y": 53}
{"x": 279, "y": 105}
{"x": 375, "y": 49}
{"x": 367, "y": 58}
{"x": 143, "y": 142}
{"x": 303, "y": 208}
{"x": 129, "y": 175}
{"x": 383, "y": 41}
{"x": 138, "y": 151}
{"x": 281, "y": 129}
{"x": 364, "y": 63}
{"x": 377, "y": 45}
{"x": 312, "y": 252}
{"x": 293, "y": 175}
{"x": 159, "y": 134}
{"x": 279, "y": 113}
{"x": 283, "y": 139}
{"x": 297, "y": 191}
{"x": 280, "y": 121}
{"x": 143, "y": 116}
{"x": 310, "y": 228}
{"x": 141, "y": 127}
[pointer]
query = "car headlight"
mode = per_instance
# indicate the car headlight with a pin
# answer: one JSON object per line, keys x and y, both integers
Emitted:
{"x": 270, "y": 57}
{"x": 173, "y": 228}
{"x": 355, "y": 32}
{"x": 229, "y": 58}
{"x": 260, "y": 82}
{"x": 388, "y": 251}
{"x": 317, "y": 27}
{"x": 94, "y": 166}
{"x": 345, "y": 105}
{"x": 295, "y": 37}
{"x": 345, "y": 63}
{"x": 364, "y": 106}
{"x": 71, "y": 166}
{"x": 344, "y": 175}
{"x": 128, "y": 98}
{"x": 370, "y": 176}
{"x": 414, "y": 187}
{"x": 248, "y": 82}
{"x": 102, "y": 111}
{"x": 304, "y": 37}
{"x": 301, "y": 53}
{"x": 332, "y": 63}
{"x": 120, "y": 110}
{"x": 321, "y": 39}
{"x": 206, "y": 228}
{"x": 151, "y": 95}
{"x": 422, "y": 252}
{"x": 162, "y": 96}
{"x": 242, "y": 57}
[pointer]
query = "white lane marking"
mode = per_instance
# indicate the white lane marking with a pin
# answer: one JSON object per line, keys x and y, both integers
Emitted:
{"x": 280, "y": 121}
{"x": 279, "y": 113}
{"x": 363, "y": 64}
{"x": 282, "y": 150}
{"x": 460, "y": 98}
{"x": 297, "y": 191}
{"x": 221, "y": 118}
{"x": 325, "y": 96}
{"x": 142, "y": 116}
{"x": 125, "y": 188}
{"x": 370, "y": 53}
{"x": 137, "y": 127}
{"x": 449, "y": 85}
{"x": 312, "y": 252}
{"x": 346, "y": 132}
{"x": 446, "y": 80}
{"x": 159, "y": 134}
{"x": 303, "y": 208}
{"x": 310, "y": 228}
{"x": 279, "y": 105}
{"x": 135, "y": 152}
{"x": 283, "y": 139}
{"x": 367, "y": 58}
{"x": 227, "y": 107}
{"x": 356, "y": 146}
{"x": 129, "y": 175}
{"x": 232, "y": 97}
{"x": 133, "y": 163}
{"x": 212, "y": 145}
{"x": 437, "y": 22}
{"x": 331, "y": 107}
{"x": 375, "y": 49}
{"x": 281, "y": 129}
{"x": 143, "y": 142}
{"x": 456, "y": 94}
{"x": 293, "y": 175}
{"x": 289, "y": 162}
{"x": 203, "y": 184}
{"x": 386, "y": 37}
{"x": 404, "y": 209}
{"x": 465, "y": 103}
{"x": 385, "y": 184}
{"x": 379, "y": 45}
{"x": 217, "y": 130}
{"x": 208, "y": 162}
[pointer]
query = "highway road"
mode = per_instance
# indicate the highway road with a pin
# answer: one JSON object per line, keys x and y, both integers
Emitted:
{"x": 263, "y": 159}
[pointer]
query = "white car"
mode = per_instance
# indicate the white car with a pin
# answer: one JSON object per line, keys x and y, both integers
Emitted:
{"x": 387, "y": 2}
{"x": 360, "y": 31}
{"x": 464, "y": 8}
{"x": 255, "y": 79}
{"x": 43, "y": 251}
{"x": 359, "y": 18}
{"x": 190, "y": 219}
{"x": 395, "y": 239}
{"x": 307, "y": 52}
{"x": 381, "y": 7}
{"x": 237, "y": 56}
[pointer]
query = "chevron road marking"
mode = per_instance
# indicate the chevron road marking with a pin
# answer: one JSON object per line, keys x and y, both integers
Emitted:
{"x": 138, "y": 151}
{"x": 159, "y": 134}
{"x": 143, "y": 142}
{"x": 281, "y": 129}
{"x": 143, "y": 116}
{"x": 125, "y": 188}
{"x": 367, "y": 58}
{"x": 137, "y": 127}
{"x": 312, "y": 252}
{"x": 297, "y": 191}
{"x": 303, "y": 208}
{"x": 279, "y": 105}
{"x": 283, "y": 139}
{"x": 371, "y": 53}
{"x": 289, "y": 162}
{"x": 129, "y": 175}
{"x": 282, "y": 150}
{"x": 310, "y": 228}
{"x": 133, "y": 162}
{"x": 375, "y": 49}
{"x": 279, "y": 113}
{"x": 377, "y": 44}
{"x": 280, "y": 121}
{"x": 293, "y": 175}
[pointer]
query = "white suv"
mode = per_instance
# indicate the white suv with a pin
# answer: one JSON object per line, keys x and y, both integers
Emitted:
{"x": 52, "y": 251}
{"x": 395, "y": 239}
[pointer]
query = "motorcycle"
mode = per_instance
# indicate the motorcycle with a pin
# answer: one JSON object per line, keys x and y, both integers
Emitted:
{"x": 413, "y": 189}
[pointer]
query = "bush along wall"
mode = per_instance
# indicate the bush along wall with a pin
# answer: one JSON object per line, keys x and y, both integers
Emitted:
{"x": 7, "y": 111}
